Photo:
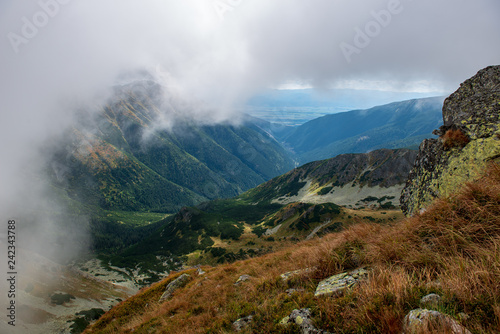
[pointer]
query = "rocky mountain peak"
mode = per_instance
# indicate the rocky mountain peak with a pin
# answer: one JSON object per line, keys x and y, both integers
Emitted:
{"x": 475, "y": 106}
{"x": 469, "y": 138}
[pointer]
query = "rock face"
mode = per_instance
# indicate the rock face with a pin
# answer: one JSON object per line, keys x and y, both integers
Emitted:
{"x": 345, "y": 180}
{"x": 476, "y": 104}
{"x": 426, "y": 321}
{"x": 473, "y": 111}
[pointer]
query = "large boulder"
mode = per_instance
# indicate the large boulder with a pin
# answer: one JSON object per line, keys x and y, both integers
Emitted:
{"x": 475, "y": 105}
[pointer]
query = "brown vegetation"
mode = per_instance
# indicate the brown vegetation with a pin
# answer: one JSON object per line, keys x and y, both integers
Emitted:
{"x": 453, "y": 249}
{"x": 455, "y": 138}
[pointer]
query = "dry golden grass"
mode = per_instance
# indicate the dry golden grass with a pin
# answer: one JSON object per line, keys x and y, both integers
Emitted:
{"x": 452, "y": 249}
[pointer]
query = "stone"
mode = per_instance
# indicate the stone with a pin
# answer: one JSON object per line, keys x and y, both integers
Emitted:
{"x": 174, "y": 285}
{"x": 430, "y": 300}
{"x": 302, "y": 318}
{"x": 200, "y": 272}
{"x": 290, "y": 292}
{"x": 335, "y": 285}
{"x": 242, "y": 279}
{"x": 242, "y": 323}
{"x": 423, "y": 321}
{"x": 288, "y": 275}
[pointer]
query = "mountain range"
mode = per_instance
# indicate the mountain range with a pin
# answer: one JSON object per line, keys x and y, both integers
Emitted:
{"x": 396, "y": 125}
{"x": 140, "y": 154}
{"x": 316, "y": 198}
{"x": 122, "y": 158}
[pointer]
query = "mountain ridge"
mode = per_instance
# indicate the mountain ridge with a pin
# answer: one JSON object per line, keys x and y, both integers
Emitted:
{"x": 395, "y": 125}
{"x": 122, "y": 164}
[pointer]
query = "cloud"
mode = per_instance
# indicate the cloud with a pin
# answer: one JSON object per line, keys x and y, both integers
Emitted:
{"x": 257, "y": 44}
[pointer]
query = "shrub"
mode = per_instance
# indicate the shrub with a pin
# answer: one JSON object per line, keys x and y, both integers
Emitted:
{"x": 325, "y": 191}
{"x": 455, "y": 138}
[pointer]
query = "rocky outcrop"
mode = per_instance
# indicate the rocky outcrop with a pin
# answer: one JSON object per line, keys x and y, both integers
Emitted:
{"x": 469, "y": 138}
{"x": 336, "y": 284}
{"x": 475, "y": 106}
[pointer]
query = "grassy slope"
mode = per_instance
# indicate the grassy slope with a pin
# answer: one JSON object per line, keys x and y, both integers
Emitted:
{"x": 452, "y": 249}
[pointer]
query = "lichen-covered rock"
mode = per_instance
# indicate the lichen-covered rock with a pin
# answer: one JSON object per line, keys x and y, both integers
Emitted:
{"x": 289, "y": 275}
{"x": 474, "y": 109}
{"x": 475, "y": 106}
{"x": 174, "y": 285}
{"x": 430, "y": 300}
{"x": 302, "y": 318}
{"x": 336, "y": 284}
{"x": 427, "y": 321}
{"x": 242, "y": 279}
{"x": 239, "y": 324}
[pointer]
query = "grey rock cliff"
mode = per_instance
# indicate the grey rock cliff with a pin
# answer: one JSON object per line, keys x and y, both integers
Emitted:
{"x": 441, "y": 165}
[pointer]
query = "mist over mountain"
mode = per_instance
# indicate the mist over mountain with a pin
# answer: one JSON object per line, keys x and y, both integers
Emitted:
{"x": 293, "y": 107}
{"x": 144, "y": 152}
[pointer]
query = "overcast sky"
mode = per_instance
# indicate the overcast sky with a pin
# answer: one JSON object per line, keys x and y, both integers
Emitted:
{"x": 225, "y": 50}
{"x": 55, "y": 52}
